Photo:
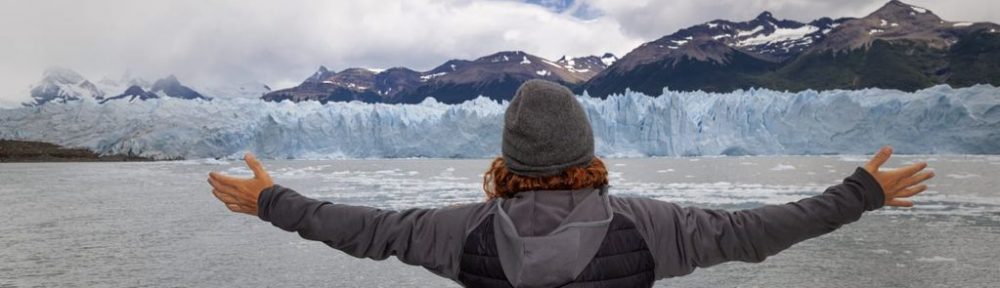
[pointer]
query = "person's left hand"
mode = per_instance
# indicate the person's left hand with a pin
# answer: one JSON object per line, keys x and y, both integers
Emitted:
{"x": 241, "y": 194}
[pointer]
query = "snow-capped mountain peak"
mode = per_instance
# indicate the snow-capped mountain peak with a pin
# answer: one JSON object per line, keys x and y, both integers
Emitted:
{"x": 321, "y": 74}
{"x": 588, "y": 65}
{"x": 897, "y": 21}
{"x": 764, "y": 37}
{"x": 765, "y": 16}
{"x": 168, "y": 86}
{"x": 62, "y": 75}
{"x": 61, "y": 85}
{"x": 608, "y": 59}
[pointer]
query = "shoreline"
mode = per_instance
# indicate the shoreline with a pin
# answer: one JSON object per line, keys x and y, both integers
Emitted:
{"x": 17, "y": 151}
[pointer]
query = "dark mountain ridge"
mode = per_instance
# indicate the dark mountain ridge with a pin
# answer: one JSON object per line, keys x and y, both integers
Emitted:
{"x": 496, "y": 76}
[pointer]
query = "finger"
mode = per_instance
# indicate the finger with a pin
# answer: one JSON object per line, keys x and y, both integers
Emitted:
{"x": 232, "y": 199}
{"x": 899, "y": 203}
{"x": 225, "y": 179}
{"x": 912, "y": 190}
{"x": 222, "y": 187}
{"x": 916, "y": 179}
{"x": 879, "y": 159}
{"x": 233, "y": 207}
{"x": 225, "y": 198}
{"x": 241, "y": 209}
{"x": 909, "y": 170}
{"x": 258, "y": 169}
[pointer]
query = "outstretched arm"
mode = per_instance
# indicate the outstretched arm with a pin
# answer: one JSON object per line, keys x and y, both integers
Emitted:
{"x": 685, "y": 238}
{"x": 431, "y": 238}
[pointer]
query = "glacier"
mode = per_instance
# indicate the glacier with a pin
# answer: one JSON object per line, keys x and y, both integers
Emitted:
{"x": 937, "y": 120}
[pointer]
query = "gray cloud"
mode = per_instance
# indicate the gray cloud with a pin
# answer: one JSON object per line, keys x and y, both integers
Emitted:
{"x": 281, "y": 42}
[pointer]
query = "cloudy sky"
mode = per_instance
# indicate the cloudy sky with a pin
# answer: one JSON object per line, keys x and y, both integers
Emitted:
{"x": 279, "y": 43}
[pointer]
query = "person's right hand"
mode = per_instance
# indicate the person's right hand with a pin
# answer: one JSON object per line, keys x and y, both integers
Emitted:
{"x": 898, "y": 184}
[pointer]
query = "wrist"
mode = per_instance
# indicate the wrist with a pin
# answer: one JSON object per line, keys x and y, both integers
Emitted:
{"x": 870, "y": 188}
{"x": 264, "y": 199}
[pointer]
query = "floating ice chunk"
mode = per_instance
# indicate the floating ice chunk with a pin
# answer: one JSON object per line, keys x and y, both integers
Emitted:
{"x": 936, "y": 259}
{"x": 543, "y": 73}
{"x": 962, "y": 176}
{"x": 203, "y": 161}
{"x": 881, "y": 251}
{"x": 854, "y": 158}
{"x": 783, "y": 167}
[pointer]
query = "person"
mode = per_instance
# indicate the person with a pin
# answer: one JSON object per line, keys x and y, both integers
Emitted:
{"x": 549, "y": 219}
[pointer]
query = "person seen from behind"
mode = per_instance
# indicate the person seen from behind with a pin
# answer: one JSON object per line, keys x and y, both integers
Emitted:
{"x": 549, "y": 219}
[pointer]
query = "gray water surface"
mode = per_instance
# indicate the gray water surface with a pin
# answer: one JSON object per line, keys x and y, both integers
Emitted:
{"x": 157, "y": 224}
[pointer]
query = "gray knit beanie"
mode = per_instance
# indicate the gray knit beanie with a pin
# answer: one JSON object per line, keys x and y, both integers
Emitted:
{"x": 545, "y": 131}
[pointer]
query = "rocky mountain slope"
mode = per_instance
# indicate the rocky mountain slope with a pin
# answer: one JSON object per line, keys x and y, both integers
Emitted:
{"x": 899, "y": 46}
{"x": 496, "y": 76}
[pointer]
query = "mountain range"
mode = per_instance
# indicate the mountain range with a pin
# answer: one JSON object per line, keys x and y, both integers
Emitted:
{"x": 899, "y": 46}
{"x": 496, "y": 76}
{"x": 61, "y": 85}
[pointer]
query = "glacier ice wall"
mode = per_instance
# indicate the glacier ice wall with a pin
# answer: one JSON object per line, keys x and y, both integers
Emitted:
{"x": 754, "y": 122}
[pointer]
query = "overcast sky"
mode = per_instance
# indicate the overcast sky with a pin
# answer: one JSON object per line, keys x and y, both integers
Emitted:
{"x": 279, "y": 43}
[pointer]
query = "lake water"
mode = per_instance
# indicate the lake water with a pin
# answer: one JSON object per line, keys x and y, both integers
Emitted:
{"x": 157, "y": 224}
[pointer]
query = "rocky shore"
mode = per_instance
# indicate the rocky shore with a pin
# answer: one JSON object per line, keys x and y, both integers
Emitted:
{"x": 32, "y": 151}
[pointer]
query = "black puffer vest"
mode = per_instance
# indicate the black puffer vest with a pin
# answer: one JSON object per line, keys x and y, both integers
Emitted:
{"x": 623, "y": 259}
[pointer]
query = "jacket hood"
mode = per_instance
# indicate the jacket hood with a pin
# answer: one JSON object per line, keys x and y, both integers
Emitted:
{"x": 546, "y": 238}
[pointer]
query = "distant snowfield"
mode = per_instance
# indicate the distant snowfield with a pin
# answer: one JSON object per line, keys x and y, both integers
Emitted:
{"x": 938, "y": 120}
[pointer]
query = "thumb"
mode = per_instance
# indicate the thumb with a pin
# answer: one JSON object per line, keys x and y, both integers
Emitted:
{"x": 879, "y": 159}
{"x": 255, "y": 166}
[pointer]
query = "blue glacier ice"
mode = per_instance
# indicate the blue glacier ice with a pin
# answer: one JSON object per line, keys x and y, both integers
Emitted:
{"x": 937, "y": 120}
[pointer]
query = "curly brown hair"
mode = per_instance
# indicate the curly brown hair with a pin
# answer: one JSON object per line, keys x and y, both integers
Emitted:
{"x": 499, "y": 181}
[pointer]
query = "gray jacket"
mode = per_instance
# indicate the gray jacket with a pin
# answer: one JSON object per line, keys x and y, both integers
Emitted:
{"x": 563, "y": 223}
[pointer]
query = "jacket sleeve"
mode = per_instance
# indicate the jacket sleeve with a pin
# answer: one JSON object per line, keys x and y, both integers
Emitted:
{"x": 431, "y": 238}
{"x": 684, "y": 238}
